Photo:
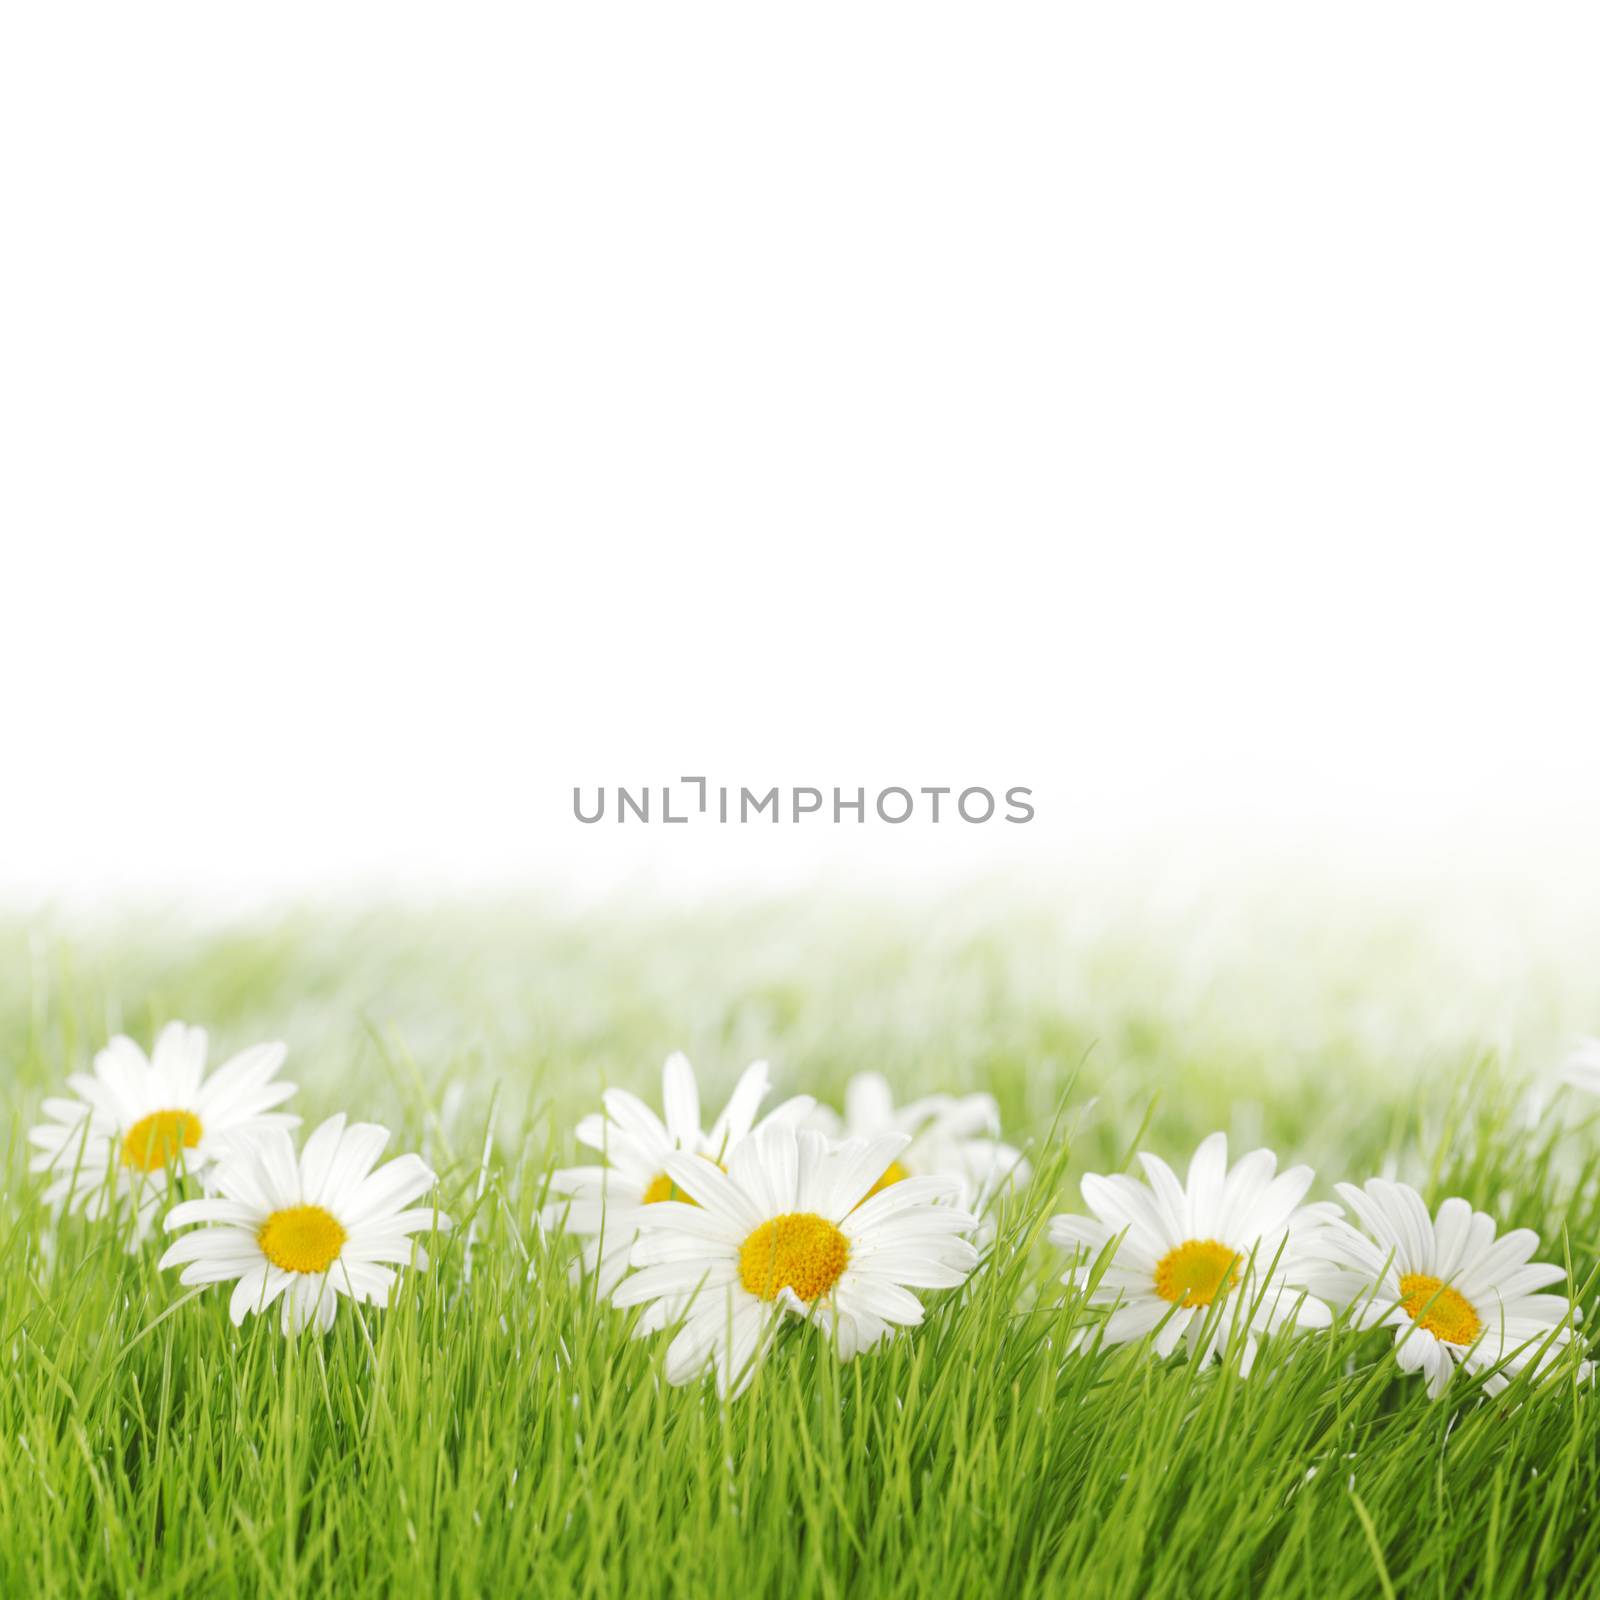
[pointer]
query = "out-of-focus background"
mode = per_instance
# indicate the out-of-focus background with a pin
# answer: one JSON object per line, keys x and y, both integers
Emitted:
{"x": 408, "y": 418}
{"x": 1374, "y": 1035}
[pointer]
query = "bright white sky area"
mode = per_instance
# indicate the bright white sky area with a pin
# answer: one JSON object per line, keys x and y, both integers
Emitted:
{"x": 409, "y": 413}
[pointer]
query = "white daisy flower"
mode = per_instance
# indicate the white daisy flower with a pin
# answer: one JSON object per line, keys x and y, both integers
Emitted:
{"x": 1454, "y": 1293}
{"x": 307, "y": 1228}
{"x": 140, "y": 1122}
{"x": 788, "y": 1229}
{"x": 603, "y": 1204}
{"x": 1237, "y": 1235}
{"x": 951, "y": 1136}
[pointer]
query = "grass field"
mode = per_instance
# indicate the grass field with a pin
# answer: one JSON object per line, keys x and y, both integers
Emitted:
{"x": 497, "y": 1433}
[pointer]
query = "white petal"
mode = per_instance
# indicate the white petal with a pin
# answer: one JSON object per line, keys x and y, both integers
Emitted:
{"x": 1412, "y": 1225}
{"x": 673, "y": 1278}
{"x": 1450, "y": 1232}
{"x": 1207, "y": 1171}
{"x": 241, "y": 1179}
{"x": 903, "y": 1201}
{"x": 794, "y": 1112}
{"x": 1247, "y": 1181}
{"x": 218, "y": 1270}
{"x": 210, "y": 1244}
{"x": 766, "y": 1168}
{"x": 1272, "y": 1207}
{"x": 1373, "y": 1215}
{"x": 393, "y": 1186}
{"x": 317, "y": 1159}
{"x": 1170, "y": 1195}
{"x": 1441, "y": 1368}
{"x": 275, "y": 1160}
{"x": 1125, "y": 1206}
{"x": 857, "y": 1167}
{"x": 670, "y": 1224}
{"x": 359, "y": 1149}
{"x": 1134, "y": 1321}
{"x": 714, "y": 1190}
{"x": 1411, "y": 1347}
{"x": 739, "y": 1115}
{"x": 882, "y": 1298}
{"x": 694, "y": 1343}
{"x": 248, "y": 1293}
{"x": 214, "y": 1210}
{"x": 1170, "y": 1334}
{"x": 1509, "y": 1252}
{"x": 635, "y": 1118}
{"x": 240, "y": 1076}
{"x": 869, "y": 1106}
{"x": 680, "y": 1100}
{"x": 920, "y": 1272}
{"x": 178, "y": 1062}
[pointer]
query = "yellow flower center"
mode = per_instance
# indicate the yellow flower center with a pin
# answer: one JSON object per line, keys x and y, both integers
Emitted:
{"x": 799, "y": 1251}
{"x": 302, "y": 1239}
{"x": 1197, "y": 1272}
{"x": 155, "y": 1141}
{"x": 893, "y": 1173}
{"x": 1444, "y": 1313}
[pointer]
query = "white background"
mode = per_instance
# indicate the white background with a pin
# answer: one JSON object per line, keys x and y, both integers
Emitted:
{"x": 410, "y": 412}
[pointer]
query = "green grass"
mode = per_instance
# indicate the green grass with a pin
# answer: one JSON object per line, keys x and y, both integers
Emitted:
{"x": 497, "y": 1433}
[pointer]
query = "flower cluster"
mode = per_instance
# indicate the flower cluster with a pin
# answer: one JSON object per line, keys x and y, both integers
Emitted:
{"x": 1234, "y": 1253}
{"x": 300, "y": 1228}
{"x": 722, "y": 1236}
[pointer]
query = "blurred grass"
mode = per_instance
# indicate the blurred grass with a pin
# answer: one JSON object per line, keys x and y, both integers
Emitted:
{"x": 501, "y": 1435}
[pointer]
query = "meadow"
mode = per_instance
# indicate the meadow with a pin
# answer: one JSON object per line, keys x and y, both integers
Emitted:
{"x": 497, "y": 1432}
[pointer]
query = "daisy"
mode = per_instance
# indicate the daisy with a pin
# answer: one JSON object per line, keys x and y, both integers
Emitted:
{"x": 955, "y": 1137}
{"x": 1454, "y": 1294}
{"x": 603, "y": 1204}
{"x": 139, "y": 1123}
{"x": 788, "y": 1230}
{"x": 307, "y": 1228}
{"x": 1236, "y": 1235}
